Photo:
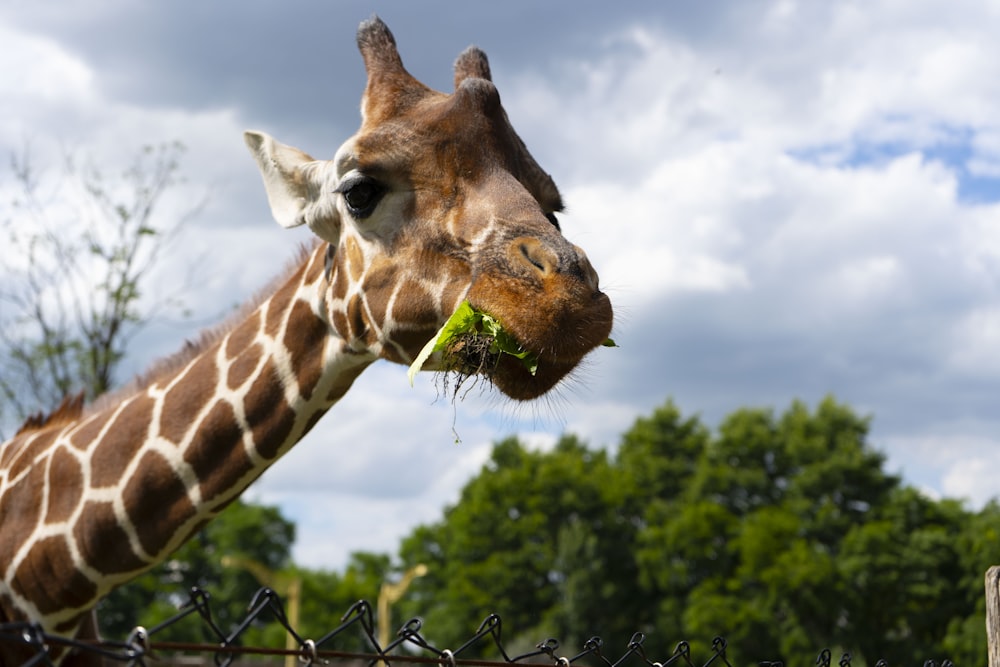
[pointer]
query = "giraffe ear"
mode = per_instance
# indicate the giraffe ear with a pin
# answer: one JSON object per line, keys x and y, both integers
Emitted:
{"x": 297, "y": 186}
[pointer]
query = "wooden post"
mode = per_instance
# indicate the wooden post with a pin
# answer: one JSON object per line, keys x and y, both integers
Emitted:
{"x": 993, "y": 615}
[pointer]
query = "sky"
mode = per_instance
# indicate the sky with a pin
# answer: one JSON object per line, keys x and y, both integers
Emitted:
{"x": 784, "y": 201}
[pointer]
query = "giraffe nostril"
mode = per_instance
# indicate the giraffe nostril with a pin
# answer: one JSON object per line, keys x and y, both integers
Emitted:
{"x": 532, "y": 252}
{"x": 526, "y": 252}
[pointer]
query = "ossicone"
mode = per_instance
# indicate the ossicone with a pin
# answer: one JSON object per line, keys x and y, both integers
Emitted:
{"x": 390, "y": 87}
{"x": 378, "y": 46}
{"x": 472, "y": 63}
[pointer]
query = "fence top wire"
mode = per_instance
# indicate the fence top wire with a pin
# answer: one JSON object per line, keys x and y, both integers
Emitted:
{"x": 140, "y": 647}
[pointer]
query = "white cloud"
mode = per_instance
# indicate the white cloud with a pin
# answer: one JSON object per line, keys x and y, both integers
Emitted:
{"x": 954, "y": 460}
{"x": 972, "y": 478}
{"x": 39, "y": 76}
{"x": 790, "y": 197}
{"x": 975, "y": 348}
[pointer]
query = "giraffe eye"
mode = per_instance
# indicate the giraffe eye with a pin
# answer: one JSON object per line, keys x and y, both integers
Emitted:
{"x": 362, "y": 195}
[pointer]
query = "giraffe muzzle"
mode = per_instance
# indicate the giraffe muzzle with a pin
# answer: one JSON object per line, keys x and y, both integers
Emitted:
{"x": 546, "y": 295}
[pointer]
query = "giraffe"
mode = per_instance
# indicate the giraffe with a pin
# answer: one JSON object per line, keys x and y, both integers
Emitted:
{"x": 433, "y": 201}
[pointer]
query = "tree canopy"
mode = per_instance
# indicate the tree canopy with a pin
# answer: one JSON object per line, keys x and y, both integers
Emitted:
{"x": 783, "y": 533}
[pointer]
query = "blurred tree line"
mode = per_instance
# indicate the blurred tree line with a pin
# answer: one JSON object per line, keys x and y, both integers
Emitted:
{"x": 783, "y": 533}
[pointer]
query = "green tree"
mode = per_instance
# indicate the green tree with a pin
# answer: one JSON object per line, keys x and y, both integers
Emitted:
{"x": 747, "y": 549}
{"x": 512, "y": 546}
{"x": 899, "y": 573}
{"x": 978, "y": 546}
{"x": 781, "y": 532}
{"x": 659, "y": 453}
{"x": 80, "y": 248}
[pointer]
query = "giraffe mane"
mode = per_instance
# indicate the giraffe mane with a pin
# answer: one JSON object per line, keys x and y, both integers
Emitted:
{"x": 192, "y": 348}
{"x": 69, "y": 410}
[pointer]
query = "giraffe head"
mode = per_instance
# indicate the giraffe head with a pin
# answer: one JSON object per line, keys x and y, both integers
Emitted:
{"x": 433, "y": 201}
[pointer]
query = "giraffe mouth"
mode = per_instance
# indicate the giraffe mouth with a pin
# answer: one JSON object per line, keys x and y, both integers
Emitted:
{"x": 471, "y": 357}
{"x": 480, "y": 354}
{"x": 472, "y": 344}
{"x": 557, "y": 340}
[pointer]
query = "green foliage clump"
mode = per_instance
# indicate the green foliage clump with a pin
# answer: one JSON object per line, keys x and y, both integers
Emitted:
{"x": 784, "y": 534}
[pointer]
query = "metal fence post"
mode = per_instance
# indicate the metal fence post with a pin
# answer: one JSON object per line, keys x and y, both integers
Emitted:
{"x": 993, "y": 615}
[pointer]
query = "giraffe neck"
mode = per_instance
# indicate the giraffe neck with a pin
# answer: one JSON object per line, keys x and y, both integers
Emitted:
{"x": 89, "y": 505}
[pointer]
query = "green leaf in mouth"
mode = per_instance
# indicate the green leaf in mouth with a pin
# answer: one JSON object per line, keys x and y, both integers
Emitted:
{"x": 468, "y": 321}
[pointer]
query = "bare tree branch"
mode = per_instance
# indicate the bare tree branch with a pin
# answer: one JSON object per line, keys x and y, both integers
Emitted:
{"x": 80, "y": 252}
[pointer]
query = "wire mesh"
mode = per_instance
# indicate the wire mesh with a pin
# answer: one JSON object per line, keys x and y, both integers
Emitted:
{"x": 141, "y": 648}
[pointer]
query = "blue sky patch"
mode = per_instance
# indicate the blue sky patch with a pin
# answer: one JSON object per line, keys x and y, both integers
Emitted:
{"x": 952, "y": 147}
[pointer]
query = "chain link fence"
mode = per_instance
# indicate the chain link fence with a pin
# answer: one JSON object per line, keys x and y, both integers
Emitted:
{"x": 141, "y": 648}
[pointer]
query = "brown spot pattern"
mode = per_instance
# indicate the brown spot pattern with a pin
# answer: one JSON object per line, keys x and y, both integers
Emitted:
{"x": 122, "y": 441}
{"x": 416, "y": 306}
{"x": 341, "y": 325}
{"x": 20, "y": 507}
{"x": 85, "y": 436}
{"x": 305, "y": 339}
{"x": 43, "y": 572}
{"x": 9, "y": 450}
{"x": 65, "y": 474}
{"x": 411, "y": 341}
{"x": 29, "y": 452}
{"x": 103, "y": 544}
{"x": 270, "y": 417}
{"x": 155, "y": 497}
{"x": 244, "y": 366}
{"x": 356, "y": 318}
{"x": 216, "y": 454}
{"x": 379, "y": 284}
{"x": 340, "y": 284}
{"x": 355, "y": 259}
{"x": 186, "y": 398}
{"x": 277, "y": 309}
{"x": 243, "y": 336}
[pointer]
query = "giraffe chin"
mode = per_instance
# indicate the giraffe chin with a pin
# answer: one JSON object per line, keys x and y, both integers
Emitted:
{"x": 516, "y": 382}
{"x": 471, "y": 358}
